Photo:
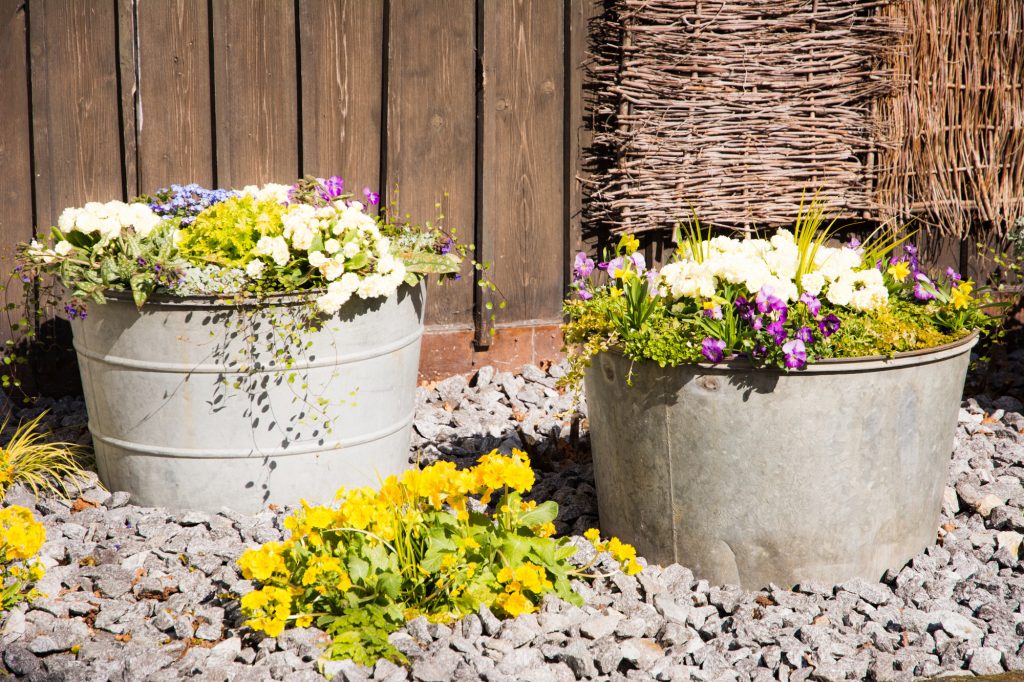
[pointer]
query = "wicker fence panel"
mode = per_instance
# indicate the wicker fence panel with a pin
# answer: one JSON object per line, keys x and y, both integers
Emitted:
{"x": 737, "y": 108}
{"x": 960, "y": 121}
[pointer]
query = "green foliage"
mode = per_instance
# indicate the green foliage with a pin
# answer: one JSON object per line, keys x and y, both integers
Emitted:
{"x": 226, "y": 233}
{"x": 897, "y": 328}
{"x": 414, "y": 548}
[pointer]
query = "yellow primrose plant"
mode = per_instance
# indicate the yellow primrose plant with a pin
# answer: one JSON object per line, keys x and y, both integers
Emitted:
{"x": 21, "y": 536}
{"x": 417, "y": 547}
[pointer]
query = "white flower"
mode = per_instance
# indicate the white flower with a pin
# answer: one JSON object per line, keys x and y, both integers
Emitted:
{"x": 333, "y": 246}
{"x": 268, "y": 192}
{"x": 66, "y": 222}
{"x": 333, "y": 269}
{"x": 812, "y": 282}
{"x": 839, "y": 293}
{"x": 349, "y": 282}
{"x": 317, "y": 258}
{"x": 335, "y": 297}
{"x": 62, "y": 248}
{"x": 351, "y": 249}
{"x": 255, "y": 268}
{"x": 276, "y": 248}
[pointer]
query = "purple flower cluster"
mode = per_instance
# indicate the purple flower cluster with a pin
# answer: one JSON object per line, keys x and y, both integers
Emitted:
{"x": 186, "y": 201}
{"x": 582, "y": 268}
{"x": 75, "y": 310}
{"x": 924, "y": 287}
{"x": 767, "y": 316}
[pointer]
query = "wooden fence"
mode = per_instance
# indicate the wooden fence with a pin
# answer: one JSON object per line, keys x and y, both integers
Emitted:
{"x": 475, "y": 104}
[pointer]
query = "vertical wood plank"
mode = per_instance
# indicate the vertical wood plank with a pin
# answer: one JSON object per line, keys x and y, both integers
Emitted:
{"x": 75, "y": 105}
{"x": 255, "y": 72}
{"x": 578, "y": 135}
{"x": 128, "y": 89}
{"x": 15, "y": 148}
{"x": 174, "y": 121}
{"x": 523, "y": 164}
{"x": 431, "y": 128}
{"x": 341, "y": 50}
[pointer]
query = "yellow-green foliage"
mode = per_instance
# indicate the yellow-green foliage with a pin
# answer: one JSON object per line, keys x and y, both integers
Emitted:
{"x": 225, "y": 234}
{"x": 895, "y": 328}
{"x": 414, "y": 548}
{"x": 28, "y": 458}
{"x": 21, "y": 536}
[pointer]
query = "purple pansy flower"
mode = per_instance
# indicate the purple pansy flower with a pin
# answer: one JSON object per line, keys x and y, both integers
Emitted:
{"x": 713, "y": 349}
{"x": 582, "y": 266}
{"x": 371, "y": 196}
{"x": 812, "y": 303}
{"x": 331, "y": 188}
{"x": 777, "y": 331}
{"x": 829, "y": 325}
{"x": 805, "y": 334}
{"x": 757, "y": 323}
{"x": 584, "y": 295}
{"x": 923, "y": 288}
{"x": 714, "y": 312}
{"x": 953, "y": 275}
{"x": 794, "y": 354}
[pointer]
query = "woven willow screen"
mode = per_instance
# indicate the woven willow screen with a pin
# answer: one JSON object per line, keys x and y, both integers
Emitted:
{"x": 739, "y": 107}
{"x": 958, "y": 127}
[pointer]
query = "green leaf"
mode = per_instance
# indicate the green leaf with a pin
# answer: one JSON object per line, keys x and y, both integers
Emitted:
{"x": 542, "y": 513}
{"x": 426, "y": 262}
{"x": 358, "y": 569}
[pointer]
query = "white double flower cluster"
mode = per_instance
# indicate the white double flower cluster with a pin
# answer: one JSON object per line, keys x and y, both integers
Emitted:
{"x": 108, "y": 220}
{"x": 837, "y": 273}
{"x": 355, "y": 258}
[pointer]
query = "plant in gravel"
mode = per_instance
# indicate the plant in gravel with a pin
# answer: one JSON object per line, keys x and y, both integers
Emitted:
{"x": 782, "y": 301}
{"x": 417, "y": 547}
{"x": 34, "y": 461}
{"x": 21, "y": 536}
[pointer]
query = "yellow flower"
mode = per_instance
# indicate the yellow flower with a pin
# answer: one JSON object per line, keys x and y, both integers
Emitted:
{"x": 344, "y": 582}
{"x": 615, "y": 292}
{"x": 260, "y": 564}
{"x": 533, "y": 577}
{"x": 631, "y": 567}
{"x": 899, "y": 271}
{"x": 961, "y": 295}
{"x": 620, "y": 550}
{"x": 21, "y": 535}
{"x": 504, "y": 575}
{"x": 545, "y": 530}
{"x": 303, "y": 621}
{"x": 629, "y": 244}
{"x": 318, "y": 517}
{"x": 623, "y": 273}
{"x": 318, "y": 566}
{"x": 515, "y": 604}
{"x": 495, "y": 471}
{"x": 592, "y": 534}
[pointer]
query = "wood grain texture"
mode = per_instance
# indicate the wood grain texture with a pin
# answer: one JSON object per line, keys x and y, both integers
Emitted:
{"x": 578, "y": 135}
{"x": 174, "y": 121}
{"x": 431, "y": 128}
{"x": 523, "y": 163}
{"x": 256, "y": 92}
{"x": 15, "y": 149}
{"x": 128, "y": 89}
{"x": 75, "y": 105}
{"x": 341, "y": 51}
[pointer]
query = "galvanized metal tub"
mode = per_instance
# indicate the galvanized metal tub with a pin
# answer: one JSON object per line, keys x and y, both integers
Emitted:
{"x": 192, "y": 405}
{"x": 753, "y": 477}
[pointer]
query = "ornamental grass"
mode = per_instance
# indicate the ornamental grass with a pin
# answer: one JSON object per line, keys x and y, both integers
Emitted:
{"x": 40, "y": 465}
{"x": 420, "y": 546}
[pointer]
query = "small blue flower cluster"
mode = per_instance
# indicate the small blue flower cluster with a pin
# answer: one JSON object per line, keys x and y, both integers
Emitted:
{"x": 187, "y": 201}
